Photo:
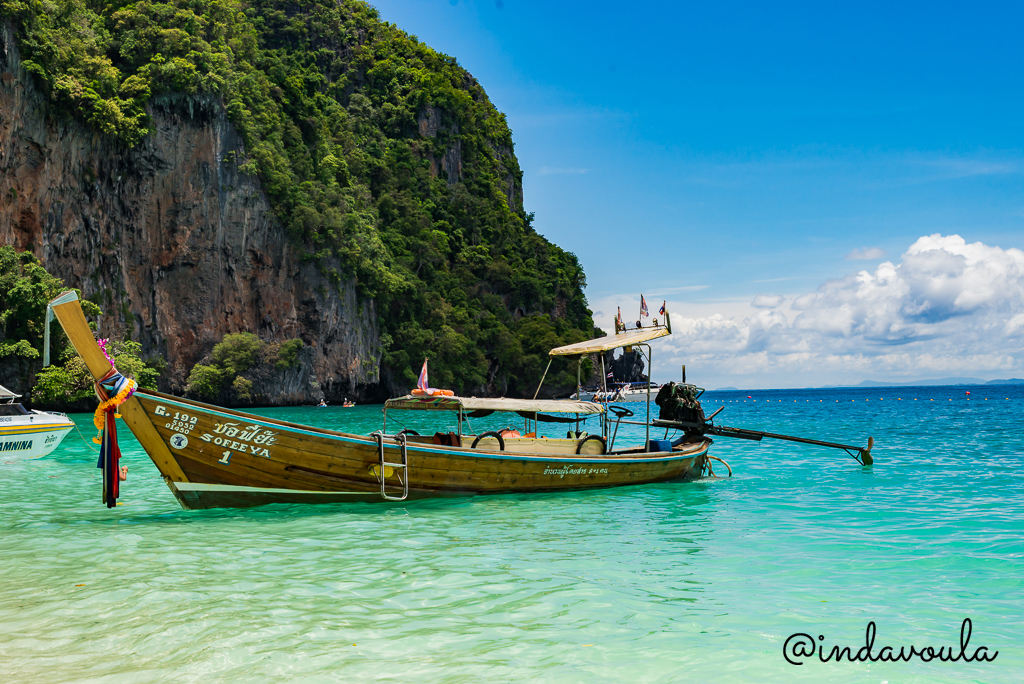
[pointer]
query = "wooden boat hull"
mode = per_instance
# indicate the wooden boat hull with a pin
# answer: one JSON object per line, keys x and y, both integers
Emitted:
{"x": 232, "y": 459}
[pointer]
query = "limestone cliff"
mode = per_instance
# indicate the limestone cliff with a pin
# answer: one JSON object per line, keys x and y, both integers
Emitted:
{"x": 172, "y": 240}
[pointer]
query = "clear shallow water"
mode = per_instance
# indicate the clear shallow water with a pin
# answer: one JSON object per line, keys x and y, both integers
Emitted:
{"x": 660, "y": 583}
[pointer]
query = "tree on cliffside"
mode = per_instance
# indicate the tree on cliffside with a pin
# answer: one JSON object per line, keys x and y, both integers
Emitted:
{"x": 25, "y": 290}
{"x": 383, "y": 159}
{"x": 241, "y": 368}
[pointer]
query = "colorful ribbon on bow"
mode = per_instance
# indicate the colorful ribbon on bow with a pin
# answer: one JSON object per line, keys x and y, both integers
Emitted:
{"x": 113, "y": 389}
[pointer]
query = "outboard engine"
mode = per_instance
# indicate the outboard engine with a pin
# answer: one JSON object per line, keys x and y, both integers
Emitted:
{"x": 678, "y": 402}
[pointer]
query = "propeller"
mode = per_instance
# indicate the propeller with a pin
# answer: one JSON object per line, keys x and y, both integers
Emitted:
{"x": 865, "y": 454}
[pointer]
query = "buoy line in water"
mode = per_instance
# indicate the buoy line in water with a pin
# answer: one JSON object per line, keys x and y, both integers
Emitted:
{"x": 744, "y": 401}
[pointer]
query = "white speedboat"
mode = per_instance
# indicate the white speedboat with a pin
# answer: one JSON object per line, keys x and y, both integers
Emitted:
{"x": 625, "y": 392}
{"x": 28, "y": 434}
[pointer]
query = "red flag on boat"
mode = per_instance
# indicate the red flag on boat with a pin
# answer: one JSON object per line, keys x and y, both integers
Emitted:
{"x": 422, "y": 382}
{"x": 618, "y": 319}
{"x": 643, "y": 306}
{"x": 662, "y": 309}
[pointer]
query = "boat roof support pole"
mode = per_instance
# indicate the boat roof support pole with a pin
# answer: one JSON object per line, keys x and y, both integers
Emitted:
{"x": 650, "y": 374}
{"x": 604, "y": 388}
{"x": 579, "y": 390}
{"x": 544, "y": 376}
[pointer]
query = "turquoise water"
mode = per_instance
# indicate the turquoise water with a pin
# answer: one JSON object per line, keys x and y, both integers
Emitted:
{"x": 661, "y": 583}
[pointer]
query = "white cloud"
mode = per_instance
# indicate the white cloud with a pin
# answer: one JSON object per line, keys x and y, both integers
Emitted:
{"x": 683, "y": 288}
{"x": 767, "y": 301}
{"x": 866, "y": 254}
{"x": 946, "y": 308}
{"x": 1015, "y": 326}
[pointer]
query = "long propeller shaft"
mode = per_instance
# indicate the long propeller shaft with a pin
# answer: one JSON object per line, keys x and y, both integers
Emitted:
{"x": 861, "y": 454}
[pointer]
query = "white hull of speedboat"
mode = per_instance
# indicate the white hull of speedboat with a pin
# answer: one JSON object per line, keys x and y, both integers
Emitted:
{"x": 32, "y": 435}
{"x": 618, "y": 397}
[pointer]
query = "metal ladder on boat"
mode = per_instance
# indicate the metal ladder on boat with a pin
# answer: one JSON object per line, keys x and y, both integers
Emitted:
{"x": 400, "y": 469}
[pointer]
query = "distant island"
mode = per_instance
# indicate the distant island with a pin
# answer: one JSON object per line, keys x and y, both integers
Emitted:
{"x": 939, "y": 381}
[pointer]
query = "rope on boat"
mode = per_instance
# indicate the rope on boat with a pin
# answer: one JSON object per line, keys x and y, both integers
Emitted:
{"x": 84, "y": 440}
{"x": 707, "y": 465}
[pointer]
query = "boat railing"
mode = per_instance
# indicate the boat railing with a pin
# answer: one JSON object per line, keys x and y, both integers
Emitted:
{"x": 50, "y": 413}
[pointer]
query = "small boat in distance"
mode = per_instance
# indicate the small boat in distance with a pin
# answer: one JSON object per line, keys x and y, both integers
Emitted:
{"x": 28, "y": 433}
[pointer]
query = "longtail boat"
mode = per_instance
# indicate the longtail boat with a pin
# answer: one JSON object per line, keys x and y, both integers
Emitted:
{"x": 213, "y": 457}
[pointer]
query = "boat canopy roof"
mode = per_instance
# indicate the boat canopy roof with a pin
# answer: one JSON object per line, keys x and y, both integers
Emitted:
{"x": 603, "y": 344}
{"x": 7, "y": 394}
{"x": 511, "y": 405}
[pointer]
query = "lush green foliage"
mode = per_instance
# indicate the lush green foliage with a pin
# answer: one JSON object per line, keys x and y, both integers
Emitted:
{"x": 237, "y": 353}
{"x": 332, "y": 104}
{"x": 63, "y": 384}
{"x": 127, "y": 357}
{"x": 71, "y": 381}
{"x": 222, "y": 378}
{"x": 25, "y": 290}
{"x": 288, "y": 354}
{"x": 205, "y": 382}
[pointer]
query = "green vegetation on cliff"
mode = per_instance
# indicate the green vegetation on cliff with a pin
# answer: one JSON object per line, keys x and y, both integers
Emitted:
{"x": 383, "y": 159}
{"x": 25, "y": 290}
{"x": 234, "y": 364}
{"x": 70, "y": 384}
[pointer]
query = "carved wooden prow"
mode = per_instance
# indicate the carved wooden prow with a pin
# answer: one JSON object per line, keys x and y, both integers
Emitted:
{"x": 69, "y": 312}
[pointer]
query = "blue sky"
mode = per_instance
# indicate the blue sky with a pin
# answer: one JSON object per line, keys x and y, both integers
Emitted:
{"x": 720, "y": 155}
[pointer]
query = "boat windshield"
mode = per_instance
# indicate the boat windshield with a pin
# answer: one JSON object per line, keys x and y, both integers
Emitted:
{"x": 7, "y": 395}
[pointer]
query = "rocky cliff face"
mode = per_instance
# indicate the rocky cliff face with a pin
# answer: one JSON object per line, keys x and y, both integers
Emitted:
{"x": 175, "y": 243}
